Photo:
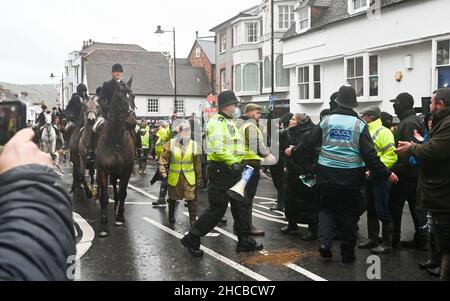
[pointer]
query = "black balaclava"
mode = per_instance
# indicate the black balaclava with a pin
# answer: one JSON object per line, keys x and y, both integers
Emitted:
{"x": 400, "y": 108}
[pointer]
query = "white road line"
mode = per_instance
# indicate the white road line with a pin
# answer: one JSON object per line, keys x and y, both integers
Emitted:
{"x": 88, "y": 235}
{"x": 292, "y": 266}
{"x": 267, "y": 203}
{"x": 265, "y": 199}
{"x": 305, "y": 272}
{"x": 210, "y": 252}
{"x": 282, "y": 216}
{"x": 142, "y": 192}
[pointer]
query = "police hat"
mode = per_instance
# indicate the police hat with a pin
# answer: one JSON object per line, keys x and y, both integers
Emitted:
{"x": 227, "y": 98}
{"x": 117, "y": 68}
{"x": 347, "y": 97}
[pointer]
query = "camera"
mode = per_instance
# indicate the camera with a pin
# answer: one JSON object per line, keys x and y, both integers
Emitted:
{"x": 13, "y": 117}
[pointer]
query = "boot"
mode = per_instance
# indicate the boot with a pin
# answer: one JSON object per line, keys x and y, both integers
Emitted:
{"x": 445, "y": 267}
{"x": 256, "y": 232}
{"x": 172, "y": 205}
{"x": 418, "y": 243}
{"x": 348, "y": 254}
{"x": 192, "y": 243}
{"x": 248, "y": 244}
{"x": 312, "y": 233}
{"x": 386, "y": 246}
{"x": 435, "y": 272}
{"x": 291, "y": 227}
{"x": 373, "y": 229}
{"x": 325, "y": 253}
{"x": 162, "y": 195}
{"x": 435, "y": 258}
{"x": 192, "y": 207}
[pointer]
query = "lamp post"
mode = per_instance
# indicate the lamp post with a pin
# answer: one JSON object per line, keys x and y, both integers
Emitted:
{"x": 52, "y": 76}
{"x": 159, "y": 31}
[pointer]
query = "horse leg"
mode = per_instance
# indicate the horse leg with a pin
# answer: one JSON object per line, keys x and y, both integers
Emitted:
{"x": 92, "y": 184}
{"x": 116, "y": 195}
{"x": 120, "y": 217}
{"x": 102, "y": 179}
{"x": 87, "y": 190}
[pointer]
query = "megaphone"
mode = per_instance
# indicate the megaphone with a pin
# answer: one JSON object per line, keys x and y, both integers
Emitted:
{"x": 237, "y": 192}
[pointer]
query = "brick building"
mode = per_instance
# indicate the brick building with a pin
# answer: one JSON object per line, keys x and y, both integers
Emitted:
{"x": 203, "y": 56}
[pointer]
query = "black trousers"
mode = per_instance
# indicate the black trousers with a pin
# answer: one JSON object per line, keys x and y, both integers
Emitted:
{"x": 406, "y": 191}
{"x": 342, "y": 205}
{"x": 220, "y": 180}
{"x": 279, "y": 181}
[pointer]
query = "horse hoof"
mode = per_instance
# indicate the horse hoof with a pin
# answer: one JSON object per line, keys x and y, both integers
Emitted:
{"x": 103, "y": 234}
{"x": 119, "y": 224}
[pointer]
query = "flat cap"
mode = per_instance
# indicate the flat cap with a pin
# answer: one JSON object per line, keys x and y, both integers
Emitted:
{"x": 252, "y": 107}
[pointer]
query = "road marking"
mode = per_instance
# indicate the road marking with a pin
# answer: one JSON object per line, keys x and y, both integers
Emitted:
{"x": 292, "y": 266}
{"x": 265, "y": 207}
{"x": 265, "y": 199}
{"x": 142, "y": 192}
{"x": 88, "y": 235}
{"x": 210, "y": 252}
{"x": 271, "y": 215}
{"x": 267, "y": 203}
{"x": 213, "y": 235}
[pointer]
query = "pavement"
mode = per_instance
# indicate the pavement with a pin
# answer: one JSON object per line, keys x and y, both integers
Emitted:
{"x": 148, "y": 247}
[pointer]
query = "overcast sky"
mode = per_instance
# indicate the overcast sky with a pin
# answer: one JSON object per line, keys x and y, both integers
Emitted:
{"x": 37, "y": 35}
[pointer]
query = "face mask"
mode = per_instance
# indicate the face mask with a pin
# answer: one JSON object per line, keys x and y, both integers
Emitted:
{"x": 237, "y": 113}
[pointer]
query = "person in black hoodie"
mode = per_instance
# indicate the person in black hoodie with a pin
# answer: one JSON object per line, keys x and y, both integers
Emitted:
{"x": 37, "y": 240}
{"x": 302, "y": 200}
{"x": 406, "y": 188}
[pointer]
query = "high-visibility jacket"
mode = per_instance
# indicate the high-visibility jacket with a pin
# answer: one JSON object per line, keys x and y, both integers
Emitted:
{"x": 163, "y": 137}
{"x": 182, "y": 163}
{"x": 340, "y": 142}
{"x": 224, "y": 141}
{"x": 145, "y": 139}
{"x": 384, "y": 142}
{"x": 255, "y": 134}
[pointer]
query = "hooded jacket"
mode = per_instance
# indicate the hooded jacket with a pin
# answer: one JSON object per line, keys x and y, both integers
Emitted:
{"x": 37, "y": 236}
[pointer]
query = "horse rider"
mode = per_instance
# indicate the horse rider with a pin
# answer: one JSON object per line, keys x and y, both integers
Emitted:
{"x": 181, "y": 163}
{"x": 73, "y": 110}
{"x": 107, "y": 91}
{"x": 40, "y": 121}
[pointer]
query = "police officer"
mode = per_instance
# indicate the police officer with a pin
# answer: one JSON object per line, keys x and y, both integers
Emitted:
{"x": 346, "y": 149}
{"x": 377, "y": 190}
{"x": 107, "y": 90}
{"x": 225, "y": 153}
{"x": 255, "y": 152}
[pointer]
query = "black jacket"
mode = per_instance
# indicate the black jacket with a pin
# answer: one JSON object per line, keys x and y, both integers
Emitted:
{"x": 41, "y": 119}
{"x": 73, "y": 110}
{"x": 108, "y": 93}
{"x": 345, "y": 178}
{"x": 36, "y": 228}
{"x": 405, "y": 132}
{"x": 434, "y": 178}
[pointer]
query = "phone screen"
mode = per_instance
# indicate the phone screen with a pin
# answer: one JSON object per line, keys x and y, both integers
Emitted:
{"x": 12, "y": 120}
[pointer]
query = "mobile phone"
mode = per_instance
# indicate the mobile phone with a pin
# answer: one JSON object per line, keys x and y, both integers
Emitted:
{"x": 13, "y": 117}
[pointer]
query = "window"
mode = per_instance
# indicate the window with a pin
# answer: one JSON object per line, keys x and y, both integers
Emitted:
{"x": 317, "y": 85}
{"x": 303, "y": 82}
{"x": 223, "y": 43}
{"x": 153, "y": 106}
{"x": 236, "y": 35}
{"x": 282, "y": 74}
{"x": 251, "y": 32}
{"x": 197, "y": 52}
{"x": 304, "y": 18}
{"x": 179, "y": 106}
{"x": 67, "y": 71}
{"x": 267, "y": 73}
{"x": 223, "y": 80}
{"x": 238, "y": 78}
{"x": 251, "y": 79}
{"x": 76, "y": 73}
{"x": 71, "y": 88}
{"x": 442, "y": 54}
{"x": 356, "y": 6}
{"x": 355, "y": 74}
{"x": 373, "y": 75}
{"x": 444, "y": 77}
{"x": 285, "y": 16}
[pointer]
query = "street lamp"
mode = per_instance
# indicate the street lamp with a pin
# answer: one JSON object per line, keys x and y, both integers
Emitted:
{"x": 159, "y": 31}
{"x": 52, "y": 76}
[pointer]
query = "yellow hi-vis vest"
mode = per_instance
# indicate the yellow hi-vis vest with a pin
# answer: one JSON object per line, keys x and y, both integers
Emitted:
{"x": 145, "y": 139}
{"x": 163, "y": 137}
{"x": 251, "y": 154}
{"x": 182, "y": 164}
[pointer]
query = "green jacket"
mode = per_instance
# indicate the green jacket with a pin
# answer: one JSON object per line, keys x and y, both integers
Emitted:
{"x": 384, "y": 142}
{"x": 224, "y": 141}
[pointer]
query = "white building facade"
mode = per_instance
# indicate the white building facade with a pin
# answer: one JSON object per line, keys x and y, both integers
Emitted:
{"x": 401, "y": 48}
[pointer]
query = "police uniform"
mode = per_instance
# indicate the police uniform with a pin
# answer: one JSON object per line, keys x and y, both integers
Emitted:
{"x": 225, "y": 152}
{"x": 346, "y": 150}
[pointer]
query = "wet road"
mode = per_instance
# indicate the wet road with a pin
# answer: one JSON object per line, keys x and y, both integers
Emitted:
{"x": 148, "y": 247}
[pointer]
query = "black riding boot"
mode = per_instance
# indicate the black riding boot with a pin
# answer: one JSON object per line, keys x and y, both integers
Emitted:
{"x": 248, "y": 244}
{"x": 373, "y": 229}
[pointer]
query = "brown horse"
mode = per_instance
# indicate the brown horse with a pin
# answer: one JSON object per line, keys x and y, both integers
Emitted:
{"x": 116, "y": 148}
{"x": 91, "y": 111}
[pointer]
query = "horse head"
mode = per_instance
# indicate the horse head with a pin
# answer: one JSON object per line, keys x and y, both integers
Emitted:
{"x": 122, "y": 104}
{"x": 91, "y": 111}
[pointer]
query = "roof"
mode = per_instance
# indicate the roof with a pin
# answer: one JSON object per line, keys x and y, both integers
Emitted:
{"x": 333, "y": 11}
{"x": 209, "y": 48}
{"x": 150, "y": 71}
{"x": 228, "y": 22}
{"x": 112, "y": 46}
